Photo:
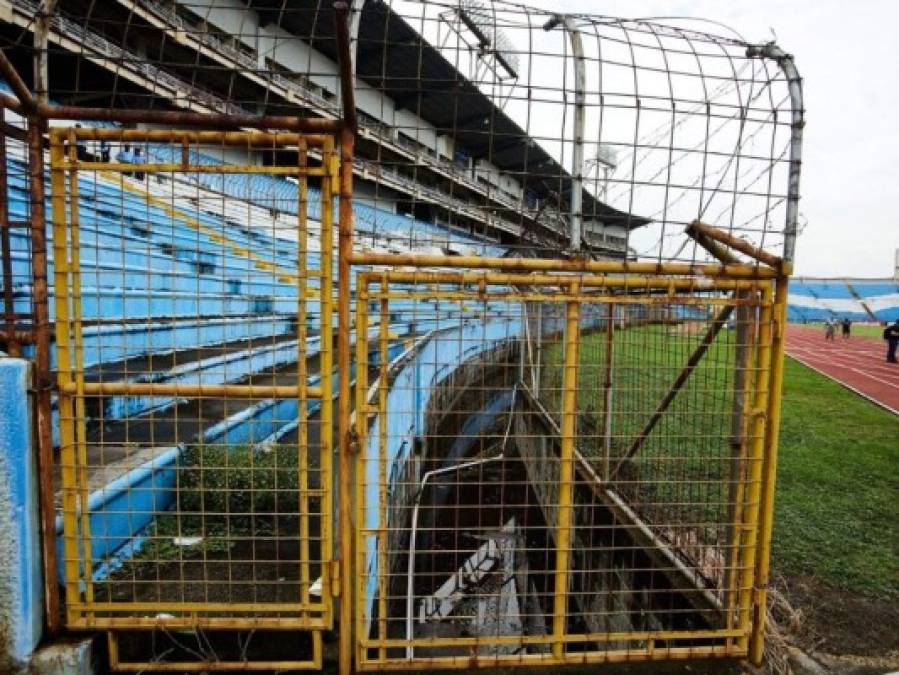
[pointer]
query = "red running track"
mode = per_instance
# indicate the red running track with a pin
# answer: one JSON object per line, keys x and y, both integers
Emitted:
{"x": 858, "y": 363}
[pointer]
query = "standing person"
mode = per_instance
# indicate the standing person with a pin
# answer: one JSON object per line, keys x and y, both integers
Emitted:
{"x": 81, "y": 149}
{"x": 891, "y": 335}
{"x": 138, "y": 159}
{"x": 829, "y": 329}
{"x": 846, "y": 324}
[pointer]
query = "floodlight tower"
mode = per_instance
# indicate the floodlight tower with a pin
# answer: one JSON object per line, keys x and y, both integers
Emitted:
{"x": 475, "y": 26}
{"x": 606, "y": 161}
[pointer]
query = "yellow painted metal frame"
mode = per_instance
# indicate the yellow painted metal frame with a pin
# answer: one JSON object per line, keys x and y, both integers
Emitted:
{"x": 544, "y": 281}
{"x": 82, "y": 611}
{"x": 116, "y": 663}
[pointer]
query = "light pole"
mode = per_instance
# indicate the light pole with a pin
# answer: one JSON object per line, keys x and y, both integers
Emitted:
{"x": 580, "y": 115}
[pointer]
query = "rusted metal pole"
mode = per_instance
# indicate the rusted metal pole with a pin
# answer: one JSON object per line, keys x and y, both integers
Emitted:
{"x": 13, "y": 347}
{"x": 25, "y": 102}
{"x": 347, "y": 76}
{"x": 707, "y": 339}
{"x": 42, "y": 377}
{"x": 719, "y": 235}
{"x": 41, "y": 43}
{"x": 347, "y": 641}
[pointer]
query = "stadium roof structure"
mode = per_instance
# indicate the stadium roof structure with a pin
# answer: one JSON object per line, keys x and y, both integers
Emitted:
{"x": 405, "y": 61}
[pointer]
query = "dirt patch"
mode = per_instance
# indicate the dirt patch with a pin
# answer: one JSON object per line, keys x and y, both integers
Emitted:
{"x": 839, "y": 622}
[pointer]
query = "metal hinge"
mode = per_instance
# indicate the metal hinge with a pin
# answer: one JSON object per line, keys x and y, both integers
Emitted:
{"x": 334, "y": 578}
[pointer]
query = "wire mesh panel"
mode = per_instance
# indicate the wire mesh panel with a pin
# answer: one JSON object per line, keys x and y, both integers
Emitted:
{"x": 194, "y": 354}
{"x": 558, "y": 469}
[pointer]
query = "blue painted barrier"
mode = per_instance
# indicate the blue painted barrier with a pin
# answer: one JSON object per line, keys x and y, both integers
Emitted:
{"x": 21, "y": 578}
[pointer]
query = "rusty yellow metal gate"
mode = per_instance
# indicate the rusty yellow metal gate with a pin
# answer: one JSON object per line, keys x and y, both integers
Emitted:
{"x": 546, "y": 462}
{"x": 195, "y": 414}
{"x": 561, "y": 467}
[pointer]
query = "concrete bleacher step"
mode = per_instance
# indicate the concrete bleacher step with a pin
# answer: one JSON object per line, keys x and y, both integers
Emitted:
{"x": 214, "y": 364}
{"x": 160, "y": 362}
{"x": 184, "y": 422}
{"x": 115, "y": 447}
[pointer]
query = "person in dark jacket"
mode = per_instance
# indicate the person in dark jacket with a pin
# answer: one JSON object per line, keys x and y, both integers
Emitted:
{"x": 846, "y": 325}
{"x": 891, "y": 335}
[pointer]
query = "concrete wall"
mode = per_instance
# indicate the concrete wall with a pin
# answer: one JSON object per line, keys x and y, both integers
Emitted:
{"x": 21, "y": 581}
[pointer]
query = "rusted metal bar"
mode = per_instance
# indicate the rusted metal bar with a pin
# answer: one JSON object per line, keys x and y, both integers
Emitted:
{"x": 21, "y": 337}
{"x": 344, "y": 433}
{"x": 347, "y": 76}
{"x": 507, "y": 279}
{"x": 184, "y": 118}
{"x": 43, "y": 380}
{"x": 741, "y": 271}
{"x": 13, "y": 346}
{"x": 713, "y": 247}
{"x": 707, "y": 339}
{"x": 26, "y": 102}
{"x": 172, "y": 118}
{"x": 719, "y": 235}
{"x": 268, "y": 139}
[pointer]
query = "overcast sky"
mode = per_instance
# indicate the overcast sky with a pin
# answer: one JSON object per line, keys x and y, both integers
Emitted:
{"x": 848, "y": 55}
